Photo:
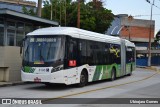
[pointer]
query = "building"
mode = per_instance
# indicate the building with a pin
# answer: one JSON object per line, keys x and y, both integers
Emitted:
{"x": 135, "y": 30}
{"x": 13, "y": 27}
{"x": 17, "y": 5}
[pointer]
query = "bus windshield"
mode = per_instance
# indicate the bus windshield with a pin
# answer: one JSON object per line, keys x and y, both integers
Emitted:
{"x": 43, "y": 49}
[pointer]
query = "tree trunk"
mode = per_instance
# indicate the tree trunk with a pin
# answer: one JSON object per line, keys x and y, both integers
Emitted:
{"x": 39, "y": 8}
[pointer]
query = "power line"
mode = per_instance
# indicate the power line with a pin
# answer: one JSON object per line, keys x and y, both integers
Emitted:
{"x": 146, "y": 15}
{"x": 157, "y": 6}
{"x": 152, "y": 4}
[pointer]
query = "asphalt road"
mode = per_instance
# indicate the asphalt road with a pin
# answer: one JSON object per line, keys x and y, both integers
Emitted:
{"x": 142, "y": 84}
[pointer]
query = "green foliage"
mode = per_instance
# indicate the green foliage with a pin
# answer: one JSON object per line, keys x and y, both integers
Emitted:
{"x": 157, "y": 39}
{"x": 28, "y": 12}
{"x": 94, "y": 16}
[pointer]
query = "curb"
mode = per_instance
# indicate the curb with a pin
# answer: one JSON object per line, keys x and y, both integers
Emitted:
{"x": 153, "y": 68}
{"x": 13, "y": 83}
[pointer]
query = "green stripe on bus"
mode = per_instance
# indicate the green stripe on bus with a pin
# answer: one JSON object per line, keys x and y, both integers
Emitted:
{"x": 104, "y": 71}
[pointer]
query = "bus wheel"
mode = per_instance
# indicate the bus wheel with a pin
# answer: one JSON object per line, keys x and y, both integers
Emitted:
{"x": 83, "y": 79}
{"x": 113, "y": 74}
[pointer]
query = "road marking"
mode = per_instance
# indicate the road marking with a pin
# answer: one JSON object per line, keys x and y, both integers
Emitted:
{"x": 84, "y": 92}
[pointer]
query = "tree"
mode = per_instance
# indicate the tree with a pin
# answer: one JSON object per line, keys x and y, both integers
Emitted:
{"x": 46, "y": 10}
{"x": 103, "y": 16}
{"x": 28, "y": 12}
{"x": 94, "y": 16}
{"x": 24, "y": 9}
{"x": 156, "y": 43}
{"x": 58, "y": 10}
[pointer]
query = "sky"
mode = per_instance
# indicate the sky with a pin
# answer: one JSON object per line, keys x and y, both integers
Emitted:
{"x": 134, "y": 8}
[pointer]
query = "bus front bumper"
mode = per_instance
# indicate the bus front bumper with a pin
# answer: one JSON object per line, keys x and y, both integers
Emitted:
{"x": 56, "y": 77}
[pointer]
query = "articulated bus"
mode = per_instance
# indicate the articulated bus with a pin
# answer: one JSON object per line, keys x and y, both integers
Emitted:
{"x": 74, "y": 56}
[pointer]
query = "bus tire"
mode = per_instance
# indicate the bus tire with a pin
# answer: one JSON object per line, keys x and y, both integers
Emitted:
{"x": 83, "y": 79}
{"x": 113, "y": 74}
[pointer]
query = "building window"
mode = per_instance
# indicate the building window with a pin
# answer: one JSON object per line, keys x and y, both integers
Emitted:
{"x": 10, "y": 37}
{"x": 1, "y": 32}
{"x": 11, "y": 33}
{"x": 19, "y": 33}
{"x": 1, "y": 36}
{"x": 19, "y": 37}
{"x": 15, "y": 32}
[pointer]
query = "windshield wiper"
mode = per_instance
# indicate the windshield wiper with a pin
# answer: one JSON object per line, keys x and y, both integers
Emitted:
{"x": 48, "y": 51}
{"x": 41, "y": 57}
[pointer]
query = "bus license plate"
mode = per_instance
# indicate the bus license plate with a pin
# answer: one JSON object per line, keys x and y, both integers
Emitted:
{"x": 37, "y": 79}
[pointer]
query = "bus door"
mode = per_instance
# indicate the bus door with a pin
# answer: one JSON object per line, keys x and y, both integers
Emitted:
{"x": 123, "y": 57}
{"x": 72, "y": 50}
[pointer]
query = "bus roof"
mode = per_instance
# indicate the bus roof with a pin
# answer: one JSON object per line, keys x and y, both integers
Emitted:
{"x": 128, "y": 43}
{"x": 78, "y": 33}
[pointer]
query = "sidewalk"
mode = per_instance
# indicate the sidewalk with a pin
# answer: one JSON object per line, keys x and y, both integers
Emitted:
{"x": 3, "y": 84}
{"x": 154, "y": 68}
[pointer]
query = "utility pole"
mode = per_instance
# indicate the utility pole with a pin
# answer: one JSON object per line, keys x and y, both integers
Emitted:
{"x": 150, "y": 33}
{"x": 65, "y": 12}
{"x": 39, "y": 8}
{"x": 130, "y": 18}
{"x": 55, "y": 10}
{"x": 51, "y": 9}
{"x": 78, "y": 15}
{"x": 60, "y": 12}
{"x": 18, "y": 2}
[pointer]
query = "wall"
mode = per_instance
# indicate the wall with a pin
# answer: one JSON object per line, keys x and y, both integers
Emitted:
{"x": 137, "y": 28}
{"x": 141, "y": 33}
{"x": 10, "y": 63}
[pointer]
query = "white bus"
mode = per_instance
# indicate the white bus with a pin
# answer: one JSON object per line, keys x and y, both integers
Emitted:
{"x": 74, "y": 56}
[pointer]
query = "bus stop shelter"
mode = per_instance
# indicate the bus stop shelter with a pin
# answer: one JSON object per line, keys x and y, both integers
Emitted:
{"x": 13, "y": 27}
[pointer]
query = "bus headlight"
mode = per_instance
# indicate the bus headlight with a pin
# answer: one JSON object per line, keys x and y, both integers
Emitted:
{"x": 53, "y": 70}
